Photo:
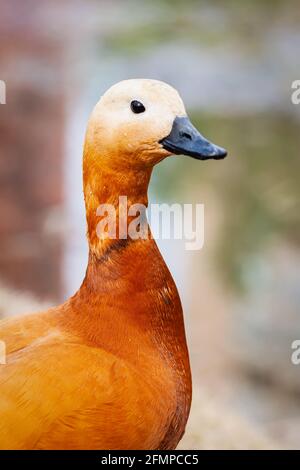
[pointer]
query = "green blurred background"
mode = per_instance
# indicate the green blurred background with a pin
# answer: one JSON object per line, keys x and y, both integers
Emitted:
{"x": 233, "y": 64}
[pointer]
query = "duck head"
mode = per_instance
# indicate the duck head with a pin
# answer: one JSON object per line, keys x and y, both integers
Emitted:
{"x": 139, "y": 122}
{"x": 136, "y": 124}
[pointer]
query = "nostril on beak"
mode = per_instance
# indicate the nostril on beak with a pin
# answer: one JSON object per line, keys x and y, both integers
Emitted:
{"x": 185, "y": 135}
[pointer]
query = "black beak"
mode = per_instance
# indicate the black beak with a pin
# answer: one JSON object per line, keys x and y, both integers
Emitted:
{"x": 185, "y": 139}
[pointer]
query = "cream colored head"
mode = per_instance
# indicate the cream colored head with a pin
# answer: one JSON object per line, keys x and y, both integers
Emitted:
{"x": 120, "y": 137}
{"x": 117, "y": 133}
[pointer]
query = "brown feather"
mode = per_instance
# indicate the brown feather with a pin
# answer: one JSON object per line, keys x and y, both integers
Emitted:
{"x": 109, "y": 368}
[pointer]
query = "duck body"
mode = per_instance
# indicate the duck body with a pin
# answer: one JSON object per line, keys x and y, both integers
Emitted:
{"x": 109, "y": 368}
{"x": 71, "y": 367}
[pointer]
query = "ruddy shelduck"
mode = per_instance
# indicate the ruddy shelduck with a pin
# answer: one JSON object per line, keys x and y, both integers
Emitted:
{"x": 109, "y": 368}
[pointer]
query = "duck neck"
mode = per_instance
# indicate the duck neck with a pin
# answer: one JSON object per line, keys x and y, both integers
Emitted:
{"x": 109, "y": 193}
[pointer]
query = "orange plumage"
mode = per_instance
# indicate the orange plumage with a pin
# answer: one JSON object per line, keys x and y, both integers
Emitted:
{"x": 109, "y": 368}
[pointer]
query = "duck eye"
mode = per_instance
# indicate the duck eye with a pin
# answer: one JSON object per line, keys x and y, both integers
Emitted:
{"x": 137, "y": 107}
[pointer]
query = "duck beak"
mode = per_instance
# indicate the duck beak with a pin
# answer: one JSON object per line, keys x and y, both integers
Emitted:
{"x": 185, "y": 139}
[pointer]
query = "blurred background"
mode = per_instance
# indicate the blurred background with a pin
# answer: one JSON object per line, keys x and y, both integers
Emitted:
{"x": 233, "y": 64}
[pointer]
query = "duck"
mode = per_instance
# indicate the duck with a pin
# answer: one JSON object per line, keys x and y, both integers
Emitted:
{"x": 109, "y": 368}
